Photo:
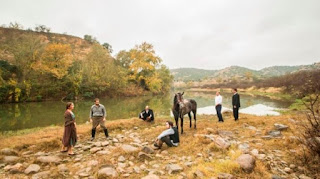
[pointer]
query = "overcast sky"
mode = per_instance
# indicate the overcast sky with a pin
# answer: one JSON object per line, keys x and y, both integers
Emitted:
{"x": 207, "y": 34}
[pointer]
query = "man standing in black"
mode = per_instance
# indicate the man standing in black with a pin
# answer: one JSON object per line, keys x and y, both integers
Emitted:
{"x": 235, "y": 104}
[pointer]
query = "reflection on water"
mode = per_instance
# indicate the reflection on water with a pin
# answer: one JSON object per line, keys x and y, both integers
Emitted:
{"x": 29, "y": 115}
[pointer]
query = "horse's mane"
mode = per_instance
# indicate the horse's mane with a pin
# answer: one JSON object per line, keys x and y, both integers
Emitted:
{"x": 175, "y": 103}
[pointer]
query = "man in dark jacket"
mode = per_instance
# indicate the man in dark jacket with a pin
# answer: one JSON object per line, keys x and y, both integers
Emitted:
{"x": 169, "y": 136}
{"x": 235, "y": 104}
{"x": 147, "y": 114}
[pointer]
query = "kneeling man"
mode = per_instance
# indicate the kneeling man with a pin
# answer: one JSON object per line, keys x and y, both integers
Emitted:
{"x": 147, "y": 114}
{"x": 169, "y": 136}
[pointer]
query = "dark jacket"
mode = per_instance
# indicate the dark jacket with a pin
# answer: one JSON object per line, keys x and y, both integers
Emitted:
{"x": 147, "y": 114}
{"x": 236, "y": 100}
{"x": 175, "y": 137}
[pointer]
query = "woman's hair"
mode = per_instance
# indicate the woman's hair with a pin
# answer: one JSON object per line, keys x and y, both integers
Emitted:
{"x": 68, "y": 105}
{"x": 170, "y": 123}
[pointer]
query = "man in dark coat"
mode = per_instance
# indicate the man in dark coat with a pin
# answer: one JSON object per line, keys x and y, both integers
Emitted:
{"x": 147, "y": 114}
{"x": 235, "y": 104}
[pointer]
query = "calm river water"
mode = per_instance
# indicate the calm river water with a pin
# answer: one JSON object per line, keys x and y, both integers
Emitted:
{"x": 41, "y": 114}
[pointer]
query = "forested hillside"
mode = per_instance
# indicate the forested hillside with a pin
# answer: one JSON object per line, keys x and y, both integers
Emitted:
{"x": 38, "y": 65}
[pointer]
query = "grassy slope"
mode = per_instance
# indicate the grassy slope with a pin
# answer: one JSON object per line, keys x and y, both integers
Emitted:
{"x": 48, "y": 139}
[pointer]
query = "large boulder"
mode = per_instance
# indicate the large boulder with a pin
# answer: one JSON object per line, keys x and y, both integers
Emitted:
{"x": 246, "y": 162}
{"x": 33, "y": 168}
{"x": 107, "y": 172}
{"x": 49, "y": 159}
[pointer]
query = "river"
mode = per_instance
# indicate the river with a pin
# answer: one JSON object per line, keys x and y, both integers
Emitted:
{"x": 19, "y": 116}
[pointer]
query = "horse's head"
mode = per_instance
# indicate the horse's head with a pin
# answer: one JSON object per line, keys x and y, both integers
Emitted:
{"x": 180, "y": 96}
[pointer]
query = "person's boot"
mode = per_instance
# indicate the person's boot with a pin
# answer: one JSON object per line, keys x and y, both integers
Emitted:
{"x": 106, "y": 132}
{"x": 93, "y": 134}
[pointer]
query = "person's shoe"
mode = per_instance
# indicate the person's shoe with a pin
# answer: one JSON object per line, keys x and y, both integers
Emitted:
{"x": 106, "y": 133}
{"x": 156, "y": 145}
{"x": 92, "y": 139}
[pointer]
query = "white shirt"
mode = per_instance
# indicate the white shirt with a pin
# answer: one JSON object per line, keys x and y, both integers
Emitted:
{"x": 218, "y": 99}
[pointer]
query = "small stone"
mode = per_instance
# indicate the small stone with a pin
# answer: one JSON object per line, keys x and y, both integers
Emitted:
{"x": 198, "y": 174}
{"x": 144, "y": 156}
{"x": 17, "y": 168}
{"x": 8, "y": 151}
{"x": 288, "y": 170}
{"x": 41, "y": 175}
{"x": 292, "y": 166}
{"x": 173, "y": 168}
{"x": 246, "y": 162}
{"x": 121, "y": 159}
{"x": 254, "y": 152}
{"x": 151, "y": 176}
{"x": 103, "y": 152}
{"x": 10, "y": 159}
{"x": 49, "y": 159}
{"x": 107, "y": 172}
{"x": 280, "y": 127}
{"x": 244, "y": 147}
{"x": 95, "y": 149}
{"x": 164, "y": 152}
{"x": 105, "y": 143}
{"x": 147, "y": 150}
{"x": 63, "y": 168}
{"x": 136, "y": 169}
{"x": 129, "y": 148}
{"x": 274, "y": 133}
{"x": 225, "y": 176}
{"x": 33, "y": 168}
{"x": 135, "y": 128}
{"x": 92, "y": 163}
{"x": 115, "y": 140}
{"x": 221, "y": 143}
{"x": 302, "y": 176}
{"x": 188, "y": 164}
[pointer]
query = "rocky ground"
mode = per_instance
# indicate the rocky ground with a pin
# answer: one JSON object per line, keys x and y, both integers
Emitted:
{"x": 244, "y": 149}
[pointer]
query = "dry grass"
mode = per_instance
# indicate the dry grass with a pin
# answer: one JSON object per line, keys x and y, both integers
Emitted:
{"x": 223, "y": 161}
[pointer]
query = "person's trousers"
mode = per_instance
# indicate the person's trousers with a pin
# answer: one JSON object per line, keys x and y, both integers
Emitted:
{"x": 218, "y": 109}
{"x": 98, "y": 121}
{"x": 166, "y": 140}
{"x": 236, "y": 113}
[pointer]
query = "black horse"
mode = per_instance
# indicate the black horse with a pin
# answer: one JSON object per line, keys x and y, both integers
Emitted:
{"x": 184, "y": 106}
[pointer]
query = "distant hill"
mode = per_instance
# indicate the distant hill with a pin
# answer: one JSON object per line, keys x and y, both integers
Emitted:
{"x": 226, "y": 74}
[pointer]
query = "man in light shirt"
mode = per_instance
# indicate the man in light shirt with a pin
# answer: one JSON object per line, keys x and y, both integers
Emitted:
{"x": 218, "y": 102}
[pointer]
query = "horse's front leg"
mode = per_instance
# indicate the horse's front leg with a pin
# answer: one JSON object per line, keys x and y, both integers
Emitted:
{"x": 195, "y": 119}
{"x": 189, "y": 114}
{"x": 181, "y": 124}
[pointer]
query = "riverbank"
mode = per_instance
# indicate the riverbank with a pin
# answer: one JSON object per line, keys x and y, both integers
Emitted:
{"x": 212, "y": 150}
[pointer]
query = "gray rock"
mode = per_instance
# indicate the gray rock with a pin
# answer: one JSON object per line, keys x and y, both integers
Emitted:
{"x": 266, "y": 137}
{"x": 252, "y": 128}
{"x": 121, "y": 159}
{"x": 188, "y": 164}
{"x": 151, "y": 176}
{"x": 33, "y": 168}
{"x": 225, "y": 176}
{"x": 136, "y": 169}
{"x": 103, "y": 152}
{"x": 221, "y": 143}
{"x": 95, "y": 149}
{"x": 302, "y": 176}
{"x": 173, "y": 168}
{"x": 92, "y": 163}
{"x": 143, "y": 156}
{"x": 11, "y": 159}
{"x": 128, "y": 148}
{"x": 8, "y": 151}
{"x": 280, "y": 127}
{"x": 223, "y": 133}
{"x": 105, "y": 143}
{"x": 49, "y": 159}
{"x": 274, "y": 133}
{"x": 198, "y": 174}
{"x": 63, "y": 168}
{"x": 17, "y": 168}
{"x": 147, "y": 150}
{"x": 107, "y": 172}
{"x": 288, "y": 170}
{"x": 276, "y": 177}
{"x": 254, "y": 152}
{"x": 244, "y": 147}
{"x": 246, "y": 162}
{"x": 41, "y": 175}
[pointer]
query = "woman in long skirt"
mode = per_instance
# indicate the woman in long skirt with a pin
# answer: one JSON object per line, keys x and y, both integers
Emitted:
{"x": 70, "y": 133}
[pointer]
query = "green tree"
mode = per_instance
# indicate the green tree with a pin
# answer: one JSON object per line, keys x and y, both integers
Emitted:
{"x": 108, "y": 47}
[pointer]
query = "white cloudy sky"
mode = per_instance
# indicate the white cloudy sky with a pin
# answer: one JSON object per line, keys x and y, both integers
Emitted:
{"x": 209, "y": 34}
